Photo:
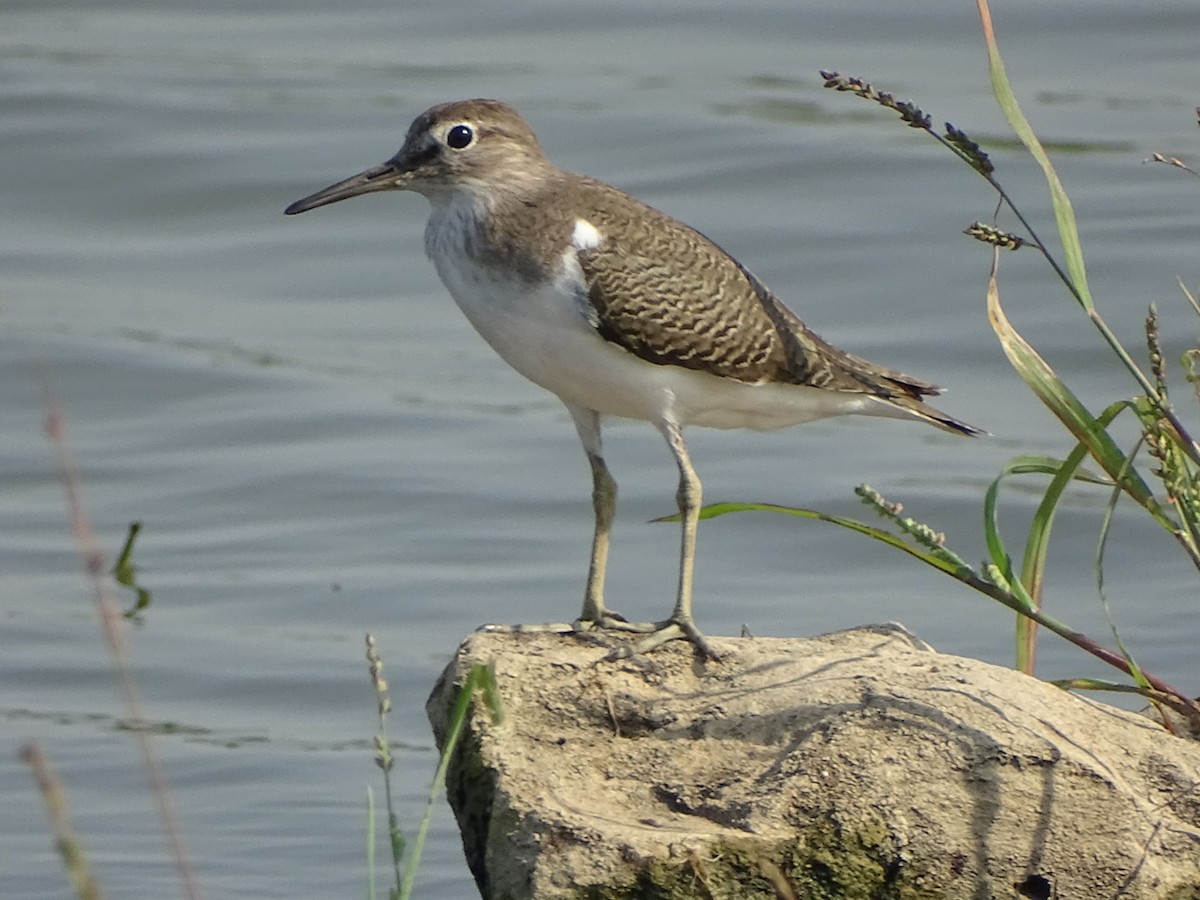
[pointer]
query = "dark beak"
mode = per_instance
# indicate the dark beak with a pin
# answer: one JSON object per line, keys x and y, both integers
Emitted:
{"x": 387, "y": 177}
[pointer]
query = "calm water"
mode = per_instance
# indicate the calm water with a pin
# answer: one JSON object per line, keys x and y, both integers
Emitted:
{"x": 319, "y": 446}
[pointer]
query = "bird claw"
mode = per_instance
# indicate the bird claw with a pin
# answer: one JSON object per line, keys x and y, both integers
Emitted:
{"x": 654, "y": 634}
{"x": 605, "y": 622}
{"x": 670, "y": 630}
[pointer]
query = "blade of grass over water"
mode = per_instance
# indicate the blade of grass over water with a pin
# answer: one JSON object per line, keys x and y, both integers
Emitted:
{"x": 1089, "y": 431}
{"x": 1037, "y": 544}
{"x": 1028, "y": 586}
{"x": 1075, "y": 277}
{"x": 944, "y": 562}
{"x": 1064, "y": 213}
{"x": 934, "y": 553}
{"x": 1105, "y": 525}
{"x": 125, "y": 573}
{"x": 1060, "y": 400}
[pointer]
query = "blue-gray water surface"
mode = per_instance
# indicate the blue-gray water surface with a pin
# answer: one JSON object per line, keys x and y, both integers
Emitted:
{"x": 319, "y": 446}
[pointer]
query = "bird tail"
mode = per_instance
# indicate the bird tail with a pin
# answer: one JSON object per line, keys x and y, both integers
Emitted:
{"x": 914, "y": 407}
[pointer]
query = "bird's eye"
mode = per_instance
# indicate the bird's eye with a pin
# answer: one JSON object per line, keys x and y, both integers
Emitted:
{"x": 460, "y": 136}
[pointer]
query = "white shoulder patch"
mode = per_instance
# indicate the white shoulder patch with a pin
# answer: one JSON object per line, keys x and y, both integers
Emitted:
{"x": 585, "y": 236}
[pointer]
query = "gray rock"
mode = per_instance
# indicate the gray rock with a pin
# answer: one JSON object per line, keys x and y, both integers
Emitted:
{"x": 860, "y": 764}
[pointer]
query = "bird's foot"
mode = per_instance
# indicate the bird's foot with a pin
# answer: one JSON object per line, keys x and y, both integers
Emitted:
{"x": 605, "y": 621}
{"x": 612, "y": 621}
{"x": 654, "y": 634}
{"x": 676, "y": 628}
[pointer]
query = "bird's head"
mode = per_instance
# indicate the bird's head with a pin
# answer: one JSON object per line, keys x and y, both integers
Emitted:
{"x": 475, "y": 146}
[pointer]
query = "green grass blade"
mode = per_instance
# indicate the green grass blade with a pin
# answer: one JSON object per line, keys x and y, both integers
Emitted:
{"x": 1033, "y": 562}
{"x": 491, "y": 695}
{"x": 1064, "y": 213}
{"x": 125, "y": 573}
{"x": 1059, "y": 399}
{"x": 940, "y": 563}
{"x": 964, "y": 573}
{"x": 480, "y": 678}
{"x": 1134, "y": 669}
{"x": 1037, "y": 544}
{"x": 1027, "y": 587}
{"x": 997, "y": 553}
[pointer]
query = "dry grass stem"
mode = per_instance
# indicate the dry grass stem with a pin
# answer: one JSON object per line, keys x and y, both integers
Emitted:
{"x": 113, "y": 627}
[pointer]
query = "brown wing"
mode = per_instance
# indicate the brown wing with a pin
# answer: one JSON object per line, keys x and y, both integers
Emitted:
{"x": 671, "y": 313}
{"x": 679, "y": 299}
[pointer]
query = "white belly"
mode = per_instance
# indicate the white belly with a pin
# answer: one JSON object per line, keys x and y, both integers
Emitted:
{"x": 544, "y": 334}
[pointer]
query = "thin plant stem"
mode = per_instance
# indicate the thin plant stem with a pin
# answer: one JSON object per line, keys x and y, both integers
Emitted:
{"x": 112, "y": 626}
{"x": 54, "y": 797}
{"x": 384, "y": 759}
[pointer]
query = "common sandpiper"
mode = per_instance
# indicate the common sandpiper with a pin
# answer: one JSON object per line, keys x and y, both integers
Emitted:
{"x": 619, "y": 310}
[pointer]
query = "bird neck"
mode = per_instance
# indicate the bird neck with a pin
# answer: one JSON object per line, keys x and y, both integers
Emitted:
{"x": 502, "y": 224}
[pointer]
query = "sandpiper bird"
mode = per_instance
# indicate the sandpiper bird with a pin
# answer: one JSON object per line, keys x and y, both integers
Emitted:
{"x": 619, "y": 310}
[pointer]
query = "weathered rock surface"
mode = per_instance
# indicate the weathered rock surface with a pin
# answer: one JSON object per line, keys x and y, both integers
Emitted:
{"x": 859, "y": 764}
